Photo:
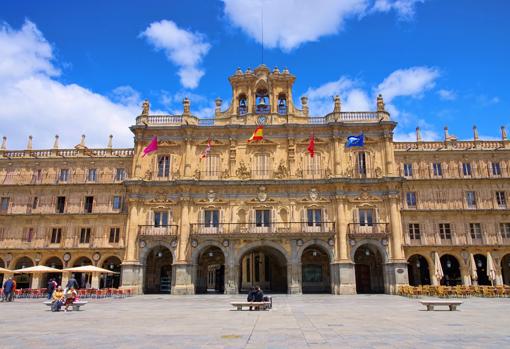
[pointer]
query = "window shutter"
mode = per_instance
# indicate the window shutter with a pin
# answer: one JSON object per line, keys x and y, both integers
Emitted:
{"x": 376, "y": 214}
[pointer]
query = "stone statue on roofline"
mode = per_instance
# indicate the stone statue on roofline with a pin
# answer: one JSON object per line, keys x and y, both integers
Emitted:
{"x": 145, "y": 107}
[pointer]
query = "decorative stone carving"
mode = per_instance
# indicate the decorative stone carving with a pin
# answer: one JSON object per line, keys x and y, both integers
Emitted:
{"x": 328, "y": 173}
{"x": 242, "y": 171}
{"x": 176, "y": 174}
{"x": 365, "y": 197}
{"x": 196, "y": 174}
{"x": 225, "y": 174}
{"x": 313, "y": 194}
{"x": 145, "y": 108}
{"x": 147, "y": 176}
{"x": 282, "y": 171}
{"x": 211, "y": 195}
{"x": 378, "y": 172}
{"x": 299, "y": 173}
{"x": 262, "y": 194}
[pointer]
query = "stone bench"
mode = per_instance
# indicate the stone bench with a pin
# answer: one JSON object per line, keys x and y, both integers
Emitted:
{"x": 76, "y": 305}
{"x": 255, "y": 305}
{"x": 451, "y": 304}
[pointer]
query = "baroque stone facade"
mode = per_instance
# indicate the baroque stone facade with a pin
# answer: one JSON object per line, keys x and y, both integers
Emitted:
{"x": 349, "y": 219}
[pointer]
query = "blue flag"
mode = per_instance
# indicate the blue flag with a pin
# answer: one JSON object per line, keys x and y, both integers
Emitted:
{"x": 355, "y": 141}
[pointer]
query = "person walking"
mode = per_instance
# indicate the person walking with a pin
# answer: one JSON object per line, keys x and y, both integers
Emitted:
{"x": 8, "y": 289}
{"x": 72, "y": 283}
{"x": 52, "y": 285}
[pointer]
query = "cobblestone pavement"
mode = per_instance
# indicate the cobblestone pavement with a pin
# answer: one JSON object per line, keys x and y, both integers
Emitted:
{"x": 308, "y": 321}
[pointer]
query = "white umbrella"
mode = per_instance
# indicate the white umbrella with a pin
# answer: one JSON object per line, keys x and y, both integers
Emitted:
{"x": 472, "y": 267}
{"x": 491, "y": 270}
{"x": 89, "y": 269}
{"x": 438, "y": 269}
{"x": 38, "y": 269}
{"x": 5, "y": 271}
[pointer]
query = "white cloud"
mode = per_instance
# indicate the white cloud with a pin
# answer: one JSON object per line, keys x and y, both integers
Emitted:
{"x": 408, "y": 82}
{"x": 183, "y": 48}
{"x": 447, "y": 95}
{"x": 289, "y": 23}
{"x": 404, "y": 8}
{"x": 34, "y": 103}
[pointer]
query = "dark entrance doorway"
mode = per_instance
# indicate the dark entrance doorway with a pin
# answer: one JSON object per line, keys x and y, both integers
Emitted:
{"x": 23, "y": 280}
{"x": 315, "y": 270}
{"x": 451, "y": 270}
{"x": 265, "y": 267}
{"x": 158, "y": 271}
{"x": 111, "y": 280}
{"x": 210, "y": 271}
{"x": 53, "y": 262}
{"x": 418, "y": 270}
{"x": 369, "y": 270}
{"x": 481, "y": 270}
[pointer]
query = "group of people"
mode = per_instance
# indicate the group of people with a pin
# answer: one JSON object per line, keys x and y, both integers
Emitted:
{"x": 256, "y": 295}
{"x": 62, "y": 297}
{"x": 9, "y": 289}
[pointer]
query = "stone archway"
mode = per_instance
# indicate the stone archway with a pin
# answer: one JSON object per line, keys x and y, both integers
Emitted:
{"x": 23, "y": 280}
{"x": 315, "y": 270}
{"x": 158, "y": 270}
{"x": 263, "y": 266}
{"x": 451, "y": 270}
{"x": 505, "y": 269}
{"x": 53, "y": 262}
{"x": 112, "y": 263}
{"x": 210, "y": 271}
{"x": 84, "y": 279}
{"x": 418, "y": 270}
{"x": 368, "y": 266}
{"x": 481, "y": 270}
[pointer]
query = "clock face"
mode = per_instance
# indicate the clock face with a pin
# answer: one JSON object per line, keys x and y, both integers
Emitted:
{"x": 261, "y": 120}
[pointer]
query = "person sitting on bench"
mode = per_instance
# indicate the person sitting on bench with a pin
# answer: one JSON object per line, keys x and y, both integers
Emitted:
{"x": 57, "y": 299}
{"x": 70, "y": 296}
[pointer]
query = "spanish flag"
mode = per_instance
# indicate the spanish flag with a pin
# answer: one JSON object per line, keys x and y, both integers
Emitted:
{"x": 311, "y": 146}
{"x": 258, "y": 134}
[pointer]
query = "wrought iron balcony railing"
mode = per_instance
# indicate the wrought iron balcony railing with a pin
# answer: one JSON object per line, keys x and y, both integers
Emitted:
{"x": 366, "y": 229}
{"x": 284, "y": 228}
{"x": 161, "y": 230}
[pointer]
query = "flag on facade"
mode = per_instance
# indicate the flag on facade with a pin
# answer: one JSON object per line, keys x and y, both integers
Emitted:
{"x": 311, "y": 146}
{"x": 152, "y": 147}
{"x": 355, "y": 141}
{"x": 206, "y": 151}
{"x": 258, "y": 134}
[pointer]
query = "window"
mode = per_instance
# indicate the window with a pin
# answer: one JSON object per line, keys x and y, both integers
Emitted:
{"x": 366, "y": 217}
{"x": 56, "y": 235}
{"x": 35, "y": 202}
{"x": 501, "y": 199}
{"x": 114, "y": 235}
{"x": 4, "y": 204}
{"x": 408, "y": 170}
{"x": 37, "y": 176}
{"x": 120, "y": 174}
{"x": 466, "y": 169}
{"x": 160, "y": 218}
{"x": 84, "y": 235}
{"x": 164, "y": 166}
{"x": 414, "y": 231}
{"x": 212, "y": 165}
{"x": 313, "y": 165}
{"x": 504, "y": 229}
{"x": 29, "y": 235}
{"x": 475, "y": 230}
{"x": 496, "y": 169}
{"x": 436, "y": 167}
{"x": 262, "y": 166}
{"x": 362, "y": 163}
{"x": 92, "y": 175}
{"x": 262, "y": 218}
{"x": 445, "y": 231}
{"x": 211, "y": 218}
{"x": 89, "y": 202}
{"x": 117, "y": 202}
{"x": 61, "y": 204}
{"x": 64, "y": 175}
{"x": 411, "y": 199}
{"x": 314, "y": 217}
{"x": 471, "y": 199}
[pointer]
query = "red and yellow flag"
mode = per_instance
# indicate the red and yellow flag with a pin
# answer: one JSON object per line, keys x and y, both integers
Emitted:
{"x": 258, "y": 134}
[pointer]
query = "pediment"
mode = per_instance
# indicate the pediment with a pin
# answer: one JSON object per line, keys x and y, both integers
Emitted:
{"x": 306, "y": 141}
{"x": 262, "y": 142}
{"x": 168, "y": 144}
{"x": 214, "y": 143}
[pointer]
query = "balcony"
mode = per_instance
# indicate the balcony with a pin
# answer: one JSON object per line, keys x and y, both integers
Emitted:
{"x": 55, "y": 178}
{"x": 278, "y": 228}
{"x": 282, "y": 110}
{"x": 262, "y": 109}
{"x": 361, "y": 230}
{"x": 210, "y": 174}
{"x": 261, "y": 174}
{"x": 162, "y": 230}
{"x": 242, "y": 111}
{"x": 457, "y": 239}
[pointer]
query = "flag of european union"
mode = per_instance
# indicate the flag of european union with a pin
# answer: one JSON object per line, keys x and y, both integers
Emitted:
{"x": 355, "y": 141}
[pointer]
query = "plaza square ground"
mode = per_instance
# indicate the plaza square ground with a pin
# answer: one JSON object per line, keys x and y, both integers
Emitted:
{"x": 307, "y": 321}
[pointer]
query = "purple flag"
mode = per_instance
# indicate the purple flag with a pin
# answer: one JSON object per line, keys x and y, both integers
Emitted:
{"x": 153, "y": 146}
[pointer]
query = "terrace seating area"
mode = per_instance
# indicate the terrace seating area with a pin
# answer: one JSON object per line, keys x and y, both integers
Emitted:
{"x": 82, "y": 293}
{"x": 458, "y": 291}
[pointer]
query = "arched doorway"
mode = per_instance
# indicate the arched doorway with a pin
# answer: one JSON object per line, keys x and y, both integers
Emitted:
{"x": 111, "y": 280}
{"x": 158, "y": 270}
{"x": 368, "y": 269}
{"x": 210, "y": 271}
{"x": 83, "y": 279}
{"x": 505, "y": 269}
{"x": 23, "y": 280}
{"x": 315, "y": 270}
{"x": 451, "y": 271}
{"x": 265, "y": 267}
{"x": 481, "y": 270}
{"x": 418, "y": 270}
{"x": 53, "y": 262}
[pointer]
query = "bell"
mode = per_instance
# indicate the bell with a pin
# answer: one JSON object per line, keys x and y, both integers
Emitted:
{"x": 262, "y": 101}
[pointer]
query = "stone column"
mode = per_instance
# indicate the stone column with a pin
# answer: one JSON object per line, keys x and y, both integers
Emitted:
{"x": 187, "y": 155}
{"x": 94, "y": 282}
{"x": 396, "y": 231}
{"x": 231, "y": 272}
{"x": 36, "y": 280}
{"x": 389, "y": 155}
{"x": 294, "y": 283}
{"x": 341, "y": 241}
{"x": 336, "y": 153}
{"x": 65, "y": 278}
{"x": 182, "y": 270}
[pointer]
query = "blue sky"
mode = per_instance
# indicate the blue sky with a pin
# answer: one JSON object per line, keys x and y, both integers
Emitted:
{"x": 86, "y": 68}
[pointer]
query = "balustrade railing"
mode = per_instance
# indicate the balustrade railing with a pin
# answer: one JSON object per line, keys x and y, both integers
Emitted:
{"x": 368, "y": 229}
{"x": 263, "y": 228}
{"x": 161, "y": 230}
{"x": 73, "y": 177}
